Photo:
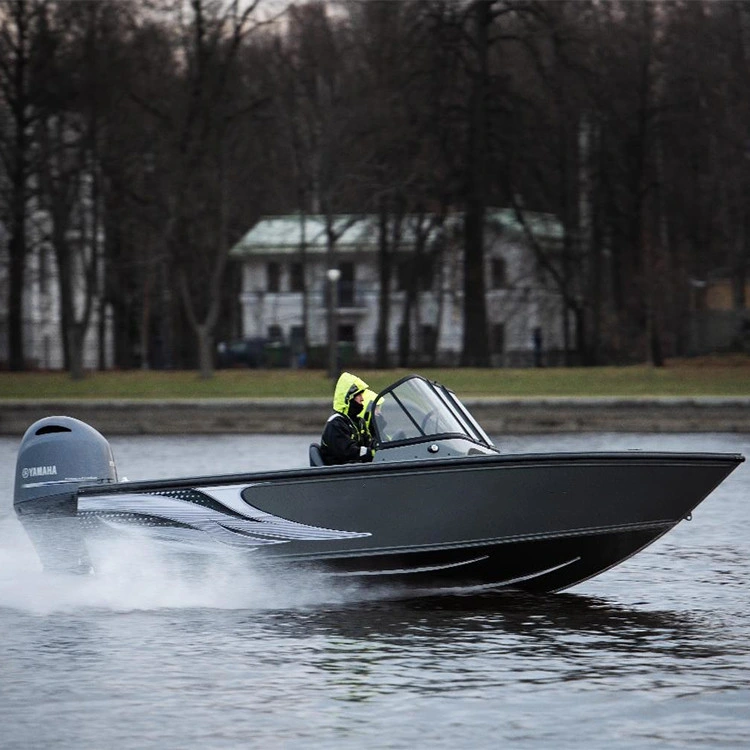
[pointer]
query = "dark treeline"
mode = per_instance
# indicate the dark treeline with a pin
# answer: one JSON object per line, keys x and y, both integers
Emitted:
{"x": 153, "y": 134}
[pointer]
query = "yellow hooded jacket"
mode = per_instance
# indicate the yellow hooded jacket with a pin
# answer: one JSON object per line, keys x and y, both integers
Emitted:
{"x": 344, "y": 437}
{"x": 347, "y": 387}
{"x": 368, "y": 407}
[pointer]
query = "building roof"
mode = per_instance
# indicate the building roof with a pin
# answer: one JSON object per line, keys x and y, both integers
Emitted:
{"x": 280, "y": 233}
{"x": 542, "y": 226}
{"x": 283, "y": 234}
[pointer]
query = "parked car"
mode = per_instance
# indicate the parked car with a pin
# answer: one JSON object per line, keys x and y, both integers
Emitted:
{"x": 241, "y": 353}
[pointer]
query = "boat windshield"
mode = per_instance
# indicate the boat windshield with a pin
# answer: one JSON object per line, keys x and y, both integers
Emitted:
{"x": 415, "y": 408}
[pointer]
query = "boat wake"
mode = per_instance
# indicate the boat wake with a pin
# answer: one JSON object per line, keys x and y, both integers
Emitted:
{"x": 136, "y": 574}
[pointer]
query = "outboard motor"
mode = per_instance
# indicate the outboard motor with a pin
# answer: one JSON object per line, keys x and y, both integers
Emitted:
{"x": 58, "y": 454}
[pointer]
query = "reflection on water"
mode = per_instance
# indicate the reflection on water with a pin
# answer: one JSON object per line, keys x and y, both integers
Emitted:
{"x": 538, "y": 626}
{"x": 654, "y": 653}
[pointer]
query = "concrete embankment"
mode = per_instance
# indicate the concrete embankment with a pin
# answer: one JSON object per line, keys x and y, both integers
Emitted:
{"x": 306, "y": 416}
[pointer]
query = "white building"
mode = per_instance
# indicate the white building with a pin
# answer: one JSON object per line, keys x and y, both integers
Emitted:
{"x": 282, "y": 256}
{"x": 42, "y": 329}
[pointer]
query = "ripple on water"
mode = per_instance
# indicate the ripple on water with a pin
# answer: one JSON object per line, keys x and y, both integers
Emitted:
{"x": 652, "y": 654}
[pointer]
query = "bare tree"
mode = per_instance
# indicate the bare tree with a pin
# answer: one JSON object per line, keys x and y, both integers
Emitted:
{"x": 627, "y": 121}
{"x": 194, "y": 125}
{"x": 21, "y": 71}
{"x": 66, "y": 138}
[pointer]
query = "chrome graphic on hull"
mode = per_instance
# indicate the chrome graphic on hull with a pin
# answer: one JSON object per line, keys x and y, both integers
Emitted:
{"x": 189, "y": 516}
{"x": 384, "y": 573}
{"x": 410, "y": 571}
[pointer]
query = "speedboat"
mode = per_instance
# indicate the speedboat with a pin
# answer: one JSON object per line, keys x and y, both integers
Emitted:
{"x": 439, "y": 506}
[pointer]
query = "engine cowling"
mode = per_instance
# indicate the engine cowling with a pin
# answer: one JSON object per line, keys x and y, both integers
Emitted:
{"x": 56, "y": 456}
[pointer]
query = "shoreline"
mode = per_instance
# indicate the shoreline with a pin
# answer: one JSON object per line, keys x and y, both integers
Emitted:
{"x": 496, "y": 415}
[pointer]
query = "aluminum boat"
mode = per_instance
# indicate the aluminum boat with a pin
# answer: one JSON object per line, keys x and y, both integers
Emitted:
{"x": 440, "y": 506}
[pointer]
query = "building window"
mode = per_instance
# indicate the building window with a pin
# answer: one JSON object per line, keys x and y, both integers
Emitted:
{"x": 497, "y": 273}
{"x": 700, "y": 297}
{"x": 498, "y": 338}
{"x": 273, "y": 277}
{"x": 45, "y": 266}
{"x": 427, "y": 275}
{"x": 297, "y": 277}
{"x": 347, "y": 334}
{"x": 429, "y": 338}
{"x": 297, "y": 337}
{"x": 403, "y": 274}
{"x": 346, "y": 285}
{"x": 275, "y": 333}
{"x": 409, "y": 272}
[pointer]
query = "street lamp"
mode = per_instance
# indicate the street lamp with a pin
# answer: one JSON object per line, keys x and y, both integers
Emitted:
{"x": 333, "y": 275}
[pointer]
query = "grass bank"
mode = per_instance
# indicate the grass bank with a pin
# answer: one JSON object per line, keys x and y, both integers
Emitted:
{"x": 728, "y": 376}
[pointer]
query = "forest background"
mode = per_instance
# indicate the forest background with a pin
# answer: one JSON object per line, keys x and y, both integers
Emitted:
{"x": 152, "y": 135}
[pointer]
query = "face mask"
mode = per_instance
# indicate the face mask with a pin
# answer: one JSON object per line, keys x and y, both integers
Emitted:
{"x": 354, "y": 408}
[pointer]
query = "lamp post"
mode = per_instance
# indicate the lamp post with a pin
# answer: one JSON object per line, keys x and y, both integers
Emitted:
{"x": 333, "y": 275}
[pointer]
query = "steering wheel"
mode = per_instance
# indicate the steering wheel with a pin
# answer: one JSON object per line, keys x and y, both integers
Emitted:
{"x": 430, "y": 415}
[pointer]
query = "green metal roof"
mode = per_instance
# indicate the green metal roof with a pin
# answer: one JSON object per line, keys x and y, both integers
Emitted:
{"x": 543, "y": 226}
{"x": 283, "y": 233}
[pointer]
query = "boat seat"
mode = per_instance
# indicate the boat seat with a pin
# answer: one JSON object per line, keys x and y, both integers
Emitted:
{"x": 316, "y": 459}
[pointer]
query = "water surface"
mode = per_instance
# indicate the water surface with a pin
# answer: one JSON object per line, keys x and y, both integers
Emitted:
{"x": 655, "y": 653}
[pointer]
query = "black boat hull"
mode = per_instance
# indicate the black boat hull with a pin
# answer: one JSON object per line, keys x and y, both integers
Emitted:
{"x": 541, "y": 523}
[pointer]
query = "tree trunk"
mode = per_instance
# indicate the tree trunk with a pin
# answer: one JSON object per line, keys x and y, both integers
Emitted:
{"x": 475, "y": 342}
{"x": 305, "y": 290}
{"x": 404, "y": 333}
{"x": 205, "y": 351}
{"x": 475, "y": 352}
{"x": 145, "y": 342}
{"x": 384, "y": 292}
{"x": 17, "y": 248}
{"x": 432, "y": 351}
{"x": 17, "y": 96}
{"x": 75, "y": 335}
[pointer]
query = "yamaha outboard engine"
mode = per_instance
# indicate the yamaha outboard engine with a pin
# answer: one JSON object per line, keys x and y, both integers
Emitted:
{"x": 58, "y": 454}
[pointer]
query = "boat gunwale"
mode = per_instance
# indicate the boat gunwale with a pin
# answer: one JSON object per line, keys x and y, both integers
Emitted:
{"x": 346, "y": 471}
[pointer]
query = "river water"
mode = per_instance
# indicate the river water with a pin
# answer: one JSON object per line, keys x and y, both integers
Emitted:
{"x": 655, "y": 653}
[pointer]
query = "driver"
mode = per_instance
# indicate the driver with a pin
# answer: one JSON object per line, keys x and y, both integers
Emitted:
{"x": 345, "y": 438}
